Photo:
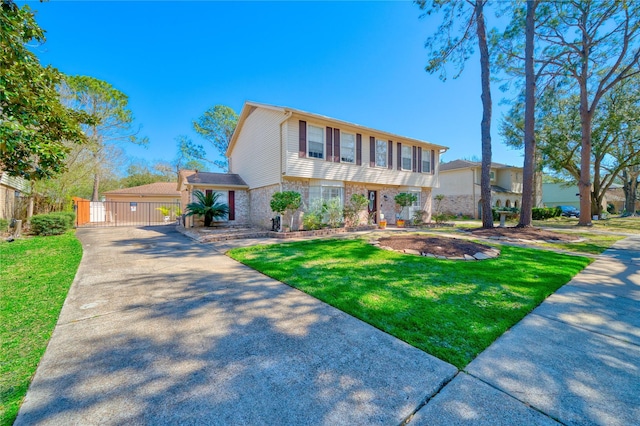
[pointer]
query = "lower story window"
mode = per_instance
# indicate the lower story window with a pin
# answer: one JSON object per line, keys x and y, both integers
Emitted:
{"x": 325, "y": 193}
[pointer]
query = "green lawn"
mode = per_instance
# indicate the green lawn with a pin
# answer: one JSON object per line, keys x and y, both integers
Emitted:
{"x": 35, "y": 275}
{"x": 593, "y": 244}
{"x": 627, "y": 225}
{"x": 450, "y": 309}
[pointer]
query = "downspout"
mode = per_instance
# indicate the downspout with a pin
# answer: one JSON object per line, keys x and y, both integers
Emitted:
{"x": 282, "y": 150}
{"x": 474, "y": 206}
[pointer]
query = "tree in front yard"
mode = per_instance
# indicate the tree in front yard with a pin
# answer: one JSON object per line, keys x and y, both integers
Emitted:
{"x": 286, "y": 201}
{"x": 207, "y": 206}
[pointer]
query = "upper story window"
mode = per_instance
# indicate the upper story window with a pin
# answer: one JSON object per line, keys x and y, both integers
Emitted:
{"x": 492, "y": 175}
{"x": 426, "y": 161}
{"x": 315, "y": 136}
{"x": 348, "y": 148}
{"x": 406, "y": 157}
{"x": 381, "y": 153}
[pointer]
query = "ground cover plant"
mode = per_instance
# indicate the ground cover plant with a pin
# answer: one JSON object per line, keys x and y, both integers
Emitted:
{"x": 35, "y": 276}
{"x": 450, "y": 309}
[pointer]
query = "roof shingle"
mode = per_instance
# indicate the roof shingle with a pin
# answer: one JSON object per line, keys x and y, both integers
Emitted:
{"x": 158, "y": 188}
{"x": 222, "y": 179}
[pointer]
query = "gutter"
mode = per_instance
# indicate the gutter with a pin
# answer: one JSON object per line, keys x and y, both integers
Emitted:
{"x": 287, "y": 115}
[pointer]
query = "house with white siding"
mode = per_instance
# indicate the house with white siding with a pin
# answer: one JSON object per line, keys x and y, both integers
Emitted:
{"x": 460, "y": 185}
{"x": 284, "y": 149}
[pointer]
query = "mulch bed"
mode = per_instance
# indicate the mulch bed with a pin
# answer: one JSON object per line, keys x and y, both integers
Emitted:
{"x": 523, "y": 233}
{"x": 449, "y": 247}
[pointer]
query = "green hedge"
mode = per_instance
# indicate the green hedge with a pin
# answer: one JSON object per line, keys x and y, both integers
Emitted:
{"x": 545, "y": 213}
{"x": 52, "y": 223}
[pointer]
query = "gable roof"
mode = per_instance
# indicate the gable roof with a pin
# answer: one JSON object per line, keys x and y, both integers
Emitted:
{"x": 158, "y": 188}
{"x": 250, "y": 106}
{"x": 463, "y": 164}
{"x": 215, "y": 179}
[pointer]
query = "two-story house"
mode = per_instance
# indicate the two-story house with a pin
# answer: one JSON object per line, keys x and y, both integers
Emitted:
{"x": 284, "y": 149}
{"x": 460, "y": 185}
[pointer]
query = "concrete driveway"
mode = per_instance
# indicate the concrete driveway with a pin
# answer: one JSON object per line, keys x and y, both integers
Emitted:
{"x": 159, "y": 330}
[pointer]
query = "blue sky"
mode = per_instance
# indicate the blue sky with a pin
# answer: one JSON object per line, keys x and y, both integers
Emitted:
{"x": 361, "y": 62}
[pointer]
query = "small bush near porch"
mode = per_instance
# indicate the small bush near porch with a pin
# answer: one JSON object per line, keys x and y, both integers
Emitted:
{"x": 450, "y": 309}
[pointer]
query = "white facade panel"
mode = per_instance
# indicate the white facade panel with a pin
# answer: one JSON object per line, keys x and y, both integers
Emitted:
{"x": 256, "y": 154}
{"x": 315, "y": 168}
{"x": 456, "y": 182}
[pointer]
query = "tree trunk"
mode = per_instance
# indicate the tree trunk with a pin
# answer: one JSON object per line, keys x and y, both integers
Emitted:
{"x": 485, "y": 126}
{"x": 528, "y": 169}
{"x": 630, "y": 188}
{"x": 96, "y": 188}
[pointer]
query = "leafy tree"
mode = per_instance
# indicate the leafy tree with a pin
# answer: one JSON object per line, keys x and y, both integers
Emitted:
{"x": 404, "y": 200}
{"x": 207, "y": 206}
{"x": 594, "y": 46}
{"x": 447, "y": 46}
{"x": 111, "y": 118}
{"x": 141, "y": 173}
{"x": 615, "y": 135}
{"x": 190, "y": 156}
{"x": 34, "y": 125}
{"x": 55, "y": 193}
{"x": 217, "y": 125}
{"x": 286, "y": 201}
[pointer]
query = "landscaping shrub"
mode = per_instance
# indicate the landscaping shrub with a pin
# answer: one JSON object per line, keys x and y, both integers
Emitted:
{"x": 4, "y": 225}
{"x": 52, "y": 223}
{"x": 543, "y": 213}
{"x": 334, "y": 212}
{"x": 354, "y": 208}
{"x": 312, "y": 218}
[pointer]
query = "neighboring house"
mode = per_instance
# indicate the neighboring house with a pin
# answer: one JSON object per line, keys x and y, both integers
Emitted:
{"x": 232, "y": 189}
{"x": 460, "y": 185}
{"x": 12, "y": 195}
{"x": 285, "y": 149}
{"x": 615, "y": 196}
{"x": 560, "y": 194}
{"x": 566, "y": 194}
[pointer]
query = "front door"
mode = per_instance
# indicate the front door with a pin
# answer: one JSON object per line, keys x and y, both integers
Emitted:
{"x": 373, "y": 205}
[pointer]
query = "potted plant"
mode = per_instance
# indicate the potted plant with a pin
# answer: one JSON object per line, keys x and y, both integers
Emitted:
{"x": 166, "y": 212}
{"x": 403, "y": 200}
{"x": 383, "y": 222}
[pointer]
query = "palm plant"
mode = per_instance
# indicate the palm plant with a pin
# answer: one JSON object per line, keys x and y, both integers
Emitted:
{"x": 207, "y": 206}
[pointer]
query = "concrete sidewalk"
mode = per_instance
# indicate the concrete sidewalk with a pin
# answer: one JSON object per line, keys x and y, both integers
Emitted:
{"x": 575, "y": 358}
{"x": 159, "y": 330}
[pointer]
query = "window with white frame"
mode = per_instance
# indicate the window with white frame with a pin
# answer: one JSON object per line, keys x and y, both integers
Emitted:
{"x": 406, "y": 158}
{"x": 315, "y": 136}
{"x": 426, "y": 161}
{"x": 492, "y": 175}
{"x": 348, "y": 148}
{"x": 324, "y": 193}
{"x": 381, "y": 153}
